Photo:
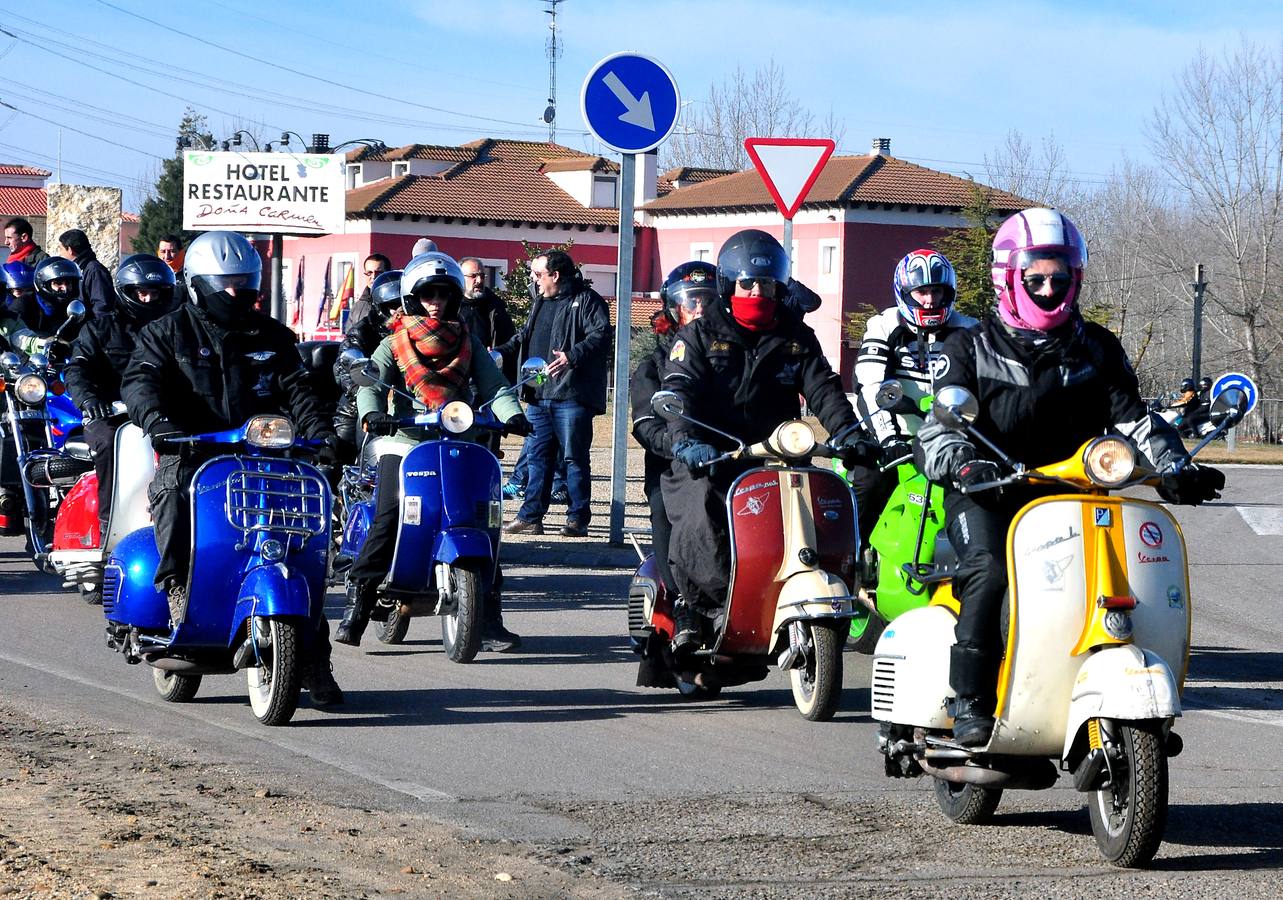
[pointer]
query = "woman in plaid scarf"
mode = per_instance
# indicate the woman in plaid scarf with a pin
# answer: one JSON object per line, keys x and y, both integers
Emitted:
{"x": 433, "y": 358}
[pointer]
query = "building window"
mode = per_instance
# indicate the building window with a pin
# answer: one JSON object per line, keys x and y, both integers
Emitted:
{"x": 399, "y": 169}
{"x": 702, "y": 252}
{"x": 603, "y": 192}
{"x": 827, "y": 254}
{"x": 353, "y": 175}
{"x": 830, "y": 265}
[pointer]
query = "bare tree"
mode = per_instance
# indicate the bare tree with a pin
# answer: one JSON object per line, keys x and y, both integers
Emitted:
{"x": 1219, "y": 137}
{"x": 1041, "y": 175}
{"x": 711, "y": 132}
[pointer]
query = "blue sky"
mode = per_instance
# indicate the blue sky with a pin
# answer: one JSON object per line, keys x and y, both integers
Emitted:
{"x": 944, "y": 81}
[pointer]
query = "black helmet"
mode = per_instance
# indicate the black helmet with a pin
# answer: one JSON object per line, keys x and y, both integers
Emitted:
{"x": 1187, "y": 384}
{"x": 1204, "y": 383}
{"x": 385, "y": 292}
{"x": 689, "y": 283}
{"x": 751, "y": 254}
{"x": 142, "y": 270}
{"x": 56, "y": 268}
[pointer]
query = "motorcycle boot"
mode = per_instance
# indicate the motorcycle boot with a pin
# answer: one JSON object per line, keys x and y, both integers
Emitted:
{"x": 11, "y": 512}
{"x": 971, "y": 675}
{"x": 686, "y": 626}
{"x": 361, "y": 596}
{"x": 318, "y": 681}
{"x": 495, "y": 638}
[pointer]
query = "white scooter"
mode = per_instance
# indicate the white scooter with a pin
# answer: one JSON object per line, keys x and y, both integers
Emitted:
{"x": 1097, "y": 647}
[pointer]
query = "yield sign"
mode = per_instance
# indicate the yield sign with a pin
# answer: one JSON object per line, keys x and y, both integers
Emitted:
{"x": 789, "y": 166}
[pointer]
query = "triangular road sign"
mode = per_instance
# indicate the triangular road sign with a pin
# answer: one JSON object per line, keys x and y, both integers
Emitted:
{"x": 789, "y": 167}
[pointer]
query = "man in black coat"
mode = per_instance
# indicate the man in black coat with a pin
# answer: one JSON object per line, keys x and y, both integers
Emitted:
{"x": 375, "y": 265}
{"x": 484, "y": 311}
{"x": 96, "y": 288}
{"x": 210, "y": 366}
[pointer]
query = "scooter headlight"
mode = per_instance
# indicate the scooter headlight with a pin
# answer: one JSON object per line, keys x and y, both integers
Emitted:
{"x": 1109, "y": 461}
{"x": 794, "y": 438}
{"x": 270, "y": 432}
{"x": 30, "y": 389}
{"x": 456, "y": 417}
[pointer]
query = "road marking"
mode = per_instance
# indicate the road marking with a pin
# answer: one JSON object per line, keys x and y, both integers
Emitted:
{"x": 262, "y": 733}
{"x": 1263, "y": 519}
{"x": 1251, "y": 717}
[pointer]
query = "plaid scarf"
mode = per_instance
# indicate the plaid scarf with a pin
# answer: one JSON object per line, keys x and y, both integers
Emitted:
{"x": 435, "y": 357}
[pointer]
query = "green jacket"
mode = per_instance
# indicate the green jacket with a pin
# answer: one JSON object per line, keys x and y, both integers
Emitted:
{"x": 487, "y": 381}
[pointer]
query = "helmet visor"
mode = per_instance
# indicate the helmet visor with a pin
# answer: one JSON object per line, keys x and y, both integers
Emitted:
{"x": 1070, "y": 255}
{"x": 247, "y": 281}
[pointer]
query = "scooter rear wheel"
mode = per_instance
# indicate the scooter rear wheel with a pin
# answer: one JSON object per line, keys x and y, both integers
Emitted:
{"x": 1129, "y": 815}
{"x": 461, "y": 629}
{"x": 175, "y": 687}
{"x": 817, "y": 685}
{"x": 967, "y": 804}
{"x": 274, "y": 686}
{"x": 392, "y": 629}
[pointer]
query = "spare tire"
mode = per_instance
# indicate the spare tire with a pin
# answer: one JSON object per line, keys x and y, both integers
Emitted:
{"x": 47, "y": 471}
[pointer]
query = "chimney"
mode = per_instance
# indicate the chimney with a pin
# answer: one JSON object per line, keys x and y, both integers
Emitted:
{"x": 881, "y": 147}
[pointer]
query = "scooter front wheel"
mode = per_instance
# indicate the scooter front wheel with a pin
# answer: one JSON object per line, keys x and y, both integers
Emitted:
{"x": 1129, "y": 815}
{"x": 274, "y": 686}
{"x": 175, "y": 687}
{"x": 817, "y": 685}
{"x": 461, "y": 629}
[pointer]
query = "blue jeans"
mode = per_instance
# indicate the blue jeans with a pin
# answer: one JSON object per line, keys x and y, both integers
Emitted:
{"x": 558, "y": 425}
{"x": 519, "y": 475}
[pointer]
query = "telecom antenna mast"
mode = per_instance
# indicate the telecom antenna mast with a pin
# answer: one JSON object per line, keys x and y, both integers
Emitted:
{"x": 554, "y": 52}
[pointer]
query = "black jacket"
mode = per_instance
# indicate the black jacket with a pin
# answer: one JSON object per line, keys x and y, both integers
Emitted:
{"x": 649, "y": 429}
{"x": 97, "y": 287}
{"x": 365, "y": 336}
{"x": 747, "y": 383}
{"x": 1041, "y": 397}
{"x": 359, "y": 311}
{"x": 99, "y": 356}
{"x": 581, "y": 330}
{"x": 487, "y": 319}
{"x": 193, "y": 373}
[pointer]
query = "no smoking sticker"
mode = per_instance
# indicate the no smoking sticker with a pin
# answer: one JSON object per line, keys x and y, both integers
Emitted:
{"x": 1151, "y": 535}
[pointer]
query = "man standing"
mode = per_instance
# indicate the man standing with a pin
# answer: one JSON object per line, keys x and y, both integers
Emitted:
{"x": 17, "y": 237}
{"x": 569, "y": 326}
{"x": 170, "y": 249}
{"x": 96, "y": 288}
{"x": 484, "y": 311}
{"x": 375, "y": 265}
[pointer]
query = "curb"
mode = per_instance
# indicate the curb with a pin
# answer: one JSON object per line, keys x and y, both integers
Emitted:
{"x": 561, "y": 554}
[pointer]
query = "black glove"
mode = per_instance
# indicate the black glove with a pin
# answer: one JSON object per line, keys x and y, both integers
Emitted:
{"x": 162, "y": 439}
{"x": 858, "y": 452}
{"x": 895, "y": 450}
{"x": 694, "y": 454}
{"x": 327, "y": 455}
{"x": 379, "y": 423}
{"x": 58, "y": 352}
{"x": 518, "y": 424}
{"x": 96, "y": 409}
{"x": 977, "y": 471}
{"x": 1192, "y": 485}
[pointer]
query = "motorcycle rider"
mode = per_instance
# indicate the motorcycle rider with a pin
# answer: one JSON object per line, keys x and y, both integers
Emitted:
{"x": 19, "y": 290}
{"x": 1046, "y": 381}
{"x": 57, "y": 283}
{"x": 209, "y": 366}
{"x": 433, "y": 356}
{"x": 740, "y": 368}
{"x": 685, "y": 292}
{"x": 901, "y": 343}
{"x": 144, "y": 292}
{"x": 383, "y": 310}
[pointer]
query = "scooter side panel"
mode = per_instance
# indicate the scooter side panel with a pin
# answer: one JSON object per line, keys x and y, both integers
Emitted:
{"x": 757, "y": 551}
{"x": 359, "y": 518}
{"x": 420, "y": 518}
{"x": 911, "y": 669}
{"x": 135, "y": 468}
{"x": 76, "y": 527}
{"x": 462, "y": 543}
{"x": 1047, "y": 594}
{"x": 128, "y": 594}
{"x": 895, "y": 538}
{"x": 836, "y": 533}
{"x": 1159, "y": 576}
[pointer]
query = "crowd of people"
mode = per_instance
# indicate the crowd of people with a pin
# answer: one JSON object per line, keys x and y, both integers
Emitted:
{"x": 174, "y": 342}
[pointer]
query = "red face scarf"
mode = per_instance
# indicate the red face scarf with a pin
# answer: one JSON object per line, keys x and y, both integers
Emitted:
{"x": 21, "y": 254}
{"x": 754, "y": 313}
{"x": 435, "y": 357}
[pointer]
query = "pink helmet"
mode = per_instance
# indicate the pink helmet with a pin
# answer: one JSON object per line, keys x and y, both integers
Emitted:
{"x": 1028, "y": 236}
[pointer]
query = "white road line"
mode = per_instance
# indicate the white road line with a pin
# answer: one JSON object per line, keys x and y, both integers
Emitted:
{"x": 1267, "y": 520}
{"x": 273, "y": 736}
{"x": 1251, "y": 717}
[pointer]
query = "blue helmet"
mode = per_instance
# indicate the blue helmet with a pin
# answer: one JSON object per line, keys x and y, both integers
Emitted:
{"x": 17, "y": 277}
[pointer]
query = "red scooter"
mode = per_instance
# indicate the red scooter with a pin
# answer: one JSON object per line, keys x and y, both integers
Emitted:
{"x": 793, "y": 568}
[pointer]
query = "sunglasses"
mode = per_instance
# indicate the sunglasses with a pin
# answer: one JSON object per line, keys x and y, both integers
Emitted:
{"x": 375, "y": 274}
{"x": 433, "y": 292}
{"x": 1059, "y": 281}
{"x": 768, "y": 286}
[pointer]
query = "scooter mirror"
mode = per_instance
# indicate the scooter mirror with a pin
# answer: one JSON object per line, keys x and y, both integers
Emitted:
{"x": 534, "y": 369}
{"x": 955, "y": 407}
{"x": 75, "y": 310}
{"x": 1230, "y": 404}
{"x": 889, "y": 394}
{"x": 667, "y": 404}
{"x": 10, "y": 360}
{"x": 38, "y": 361}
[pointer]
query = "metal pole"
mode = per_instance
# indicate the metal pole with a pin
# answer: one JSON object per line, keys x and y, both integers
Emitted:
{"x": 623, "y": 340}
{"x": 1199, "y": 285}
{"x": 278, "y": 279}
{"x": 788, "y": 243}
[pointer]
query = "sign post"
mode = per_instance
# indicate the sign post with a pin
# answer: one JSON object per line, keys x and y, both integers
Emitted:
{"x": 789, "y": 168}
{"x": 630, "y": 103}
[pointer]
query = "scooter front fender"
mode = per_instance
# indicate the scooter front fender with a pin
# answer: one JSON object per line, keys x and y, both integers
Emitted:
{"x": 454, "y": 544}
{"x": 1125, "y": 682}
{"x": 813, "y": 594}
{"x": 274, "y": 591}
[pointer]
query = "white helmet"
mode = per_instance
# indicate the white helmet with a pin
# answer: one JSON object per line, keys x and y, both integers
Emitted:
{"x": 219, "y": 261}
{"x": 433, "y": 269}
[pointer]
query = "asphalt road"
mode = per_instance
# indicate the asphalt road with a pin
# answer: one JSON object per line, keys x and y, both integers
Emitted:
{"x": 557, "y": 748}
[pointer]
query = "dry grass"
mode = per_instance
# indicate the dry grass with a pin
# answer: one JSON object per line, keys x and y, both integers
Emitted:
{"x": 1217, "y": 452}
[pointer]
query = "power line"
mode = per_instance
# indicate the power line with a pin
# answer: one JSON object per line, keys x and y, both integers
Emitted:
{"x": 79, "y": 131}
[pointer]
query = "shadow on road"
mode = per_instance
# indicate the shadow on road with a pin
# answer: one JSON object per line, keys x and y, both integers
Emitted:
{"x": 1235, "y": 664}
{"x": 1255, "y": 827}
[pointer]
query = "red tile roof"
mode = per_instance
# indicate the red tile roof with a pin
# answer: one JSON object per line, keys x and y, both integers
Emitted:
{"x": 693, "y": 174}
{"x": 11, "y": 169}
{"x": 438, "y": 152}
{"x": 580, "y": 164}
{"x": 23, "y": 201}
{"x": 129, "y": 217}
{"x": 497, "y": 181}
{"x": 845, "y": 181}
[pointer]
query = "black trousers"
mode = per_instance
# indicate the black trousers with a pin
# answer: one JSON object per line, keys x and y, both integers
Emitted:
{"x": 873, "y": 488}
{"x": 699, "y": 550}
{"x": 661, "y": 530}
{"x": 100, "y": 434}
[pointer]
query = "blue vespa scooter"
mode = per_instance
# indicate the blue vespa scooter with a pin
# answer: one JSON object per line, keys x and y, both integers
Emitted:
{"x": 260, "y": 526}
{"x": 447, "y": 544}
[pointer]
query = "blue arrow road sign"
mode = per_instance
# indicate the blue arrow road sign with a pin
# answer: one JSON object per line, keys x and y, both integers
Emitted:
{"x": 630, "y": 102}
{"x": 1236, "y": 380}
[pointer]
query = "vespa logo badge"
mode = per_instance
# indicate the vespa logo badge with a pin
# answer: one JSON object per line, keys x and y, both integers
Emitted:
{"x": 754, "y": 506}
{"x": 1104, "y": 517}
{"x": 1151, "y": 535}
